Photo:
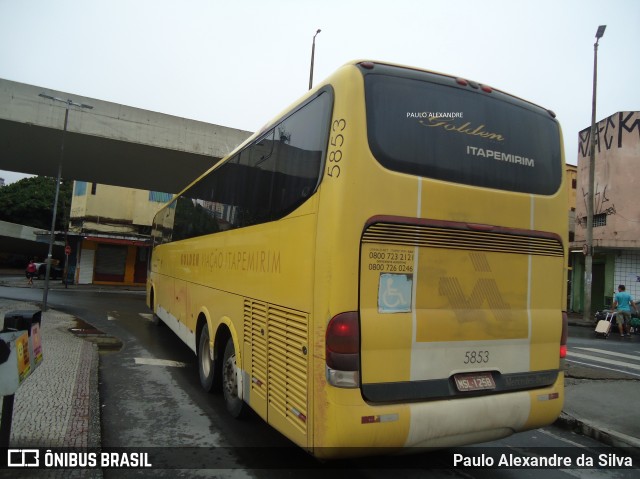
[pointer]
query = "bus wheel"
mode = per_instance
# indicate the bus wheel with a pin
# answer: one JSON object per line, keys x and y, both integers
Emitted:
{"x": 235, "y": 405}
{"x": 155, "y": 319}
{"x": 206, "y": 367}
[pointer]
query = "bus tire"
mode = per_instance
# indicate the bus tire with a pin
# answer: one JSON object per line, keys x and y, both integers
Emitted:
{"x": 206, "y": 365}
{"x": 155, "y": 319}
{"x": 235, "y": 405}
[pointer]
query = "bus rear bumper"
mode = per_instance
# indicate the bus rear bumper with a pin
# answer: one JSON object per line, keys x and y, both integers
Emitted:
{"x": 366, "y": 429}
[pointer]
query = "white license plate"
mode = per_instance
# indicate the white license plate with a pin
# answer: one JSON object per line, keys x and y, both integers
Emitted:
{"x": 474, "y": 381}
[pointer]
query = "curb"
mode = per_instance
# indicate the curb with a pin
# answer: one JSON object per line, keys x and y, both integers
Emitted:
{"x": 601, "y": 434}
{"x": 581, "y": 323}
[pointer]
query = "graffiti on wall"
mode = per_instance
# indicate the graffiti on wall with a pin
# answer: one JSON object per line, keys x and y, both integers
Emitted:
{"x": 609, "y": 133}
{"x": 601, "y": 204}
{"x": 619, "y": 130}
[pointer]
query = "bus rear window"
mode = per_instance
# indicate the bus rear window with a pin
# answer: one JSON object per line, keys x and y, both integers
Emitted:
{"x": 419, "y": 125}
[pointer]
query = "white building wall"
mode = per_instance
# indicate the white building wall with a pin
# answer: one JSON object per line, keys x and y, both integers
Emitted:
{"x": 628, "y": 273}
{"x": 85, "y": 269}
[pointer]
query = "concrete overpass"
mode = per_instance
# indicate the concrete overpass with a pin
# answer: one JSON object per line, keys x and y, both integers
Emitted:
{"x": 21, "y": 240}
{"x": 110, "y": 144}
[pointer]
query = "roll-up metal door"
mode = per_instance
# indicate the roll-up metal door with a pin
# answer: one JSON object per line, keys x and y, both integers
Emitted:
{"x": 85, "y": 275}
{"x": 111, "y": 261}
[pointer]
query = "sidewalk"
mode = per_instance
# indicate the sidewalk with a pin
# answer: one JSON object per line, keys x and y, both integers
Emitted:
{"x": 16, "y": 278}
{"x": 58, "y": 406}
{"x": 59, "y": 394}
{"x": 592, "y": 399}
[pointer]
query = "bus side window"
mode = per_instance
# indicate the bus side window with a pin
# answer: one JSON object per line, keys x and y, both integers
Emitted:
{"x": 255, "y": 174}
{"x": 299, "y": 148}
{"x": 266, "y": 181}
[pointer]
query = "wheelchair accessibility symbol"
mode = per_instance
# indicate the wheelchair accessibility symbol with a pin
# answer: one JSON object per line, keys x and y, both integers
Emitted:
{"x": 395, "y": 293}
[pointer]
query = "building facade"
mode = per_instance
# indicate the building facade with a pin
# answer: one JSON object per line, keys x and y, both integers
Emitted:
{"x": 616, "y": 220}
{"x": 572, "y": 185}
{"x": 109, "y": 233}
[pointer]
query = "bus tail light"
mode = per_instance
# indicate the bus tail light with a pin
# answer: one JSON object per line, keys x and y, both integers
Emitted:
{"x": 342, "y": 353}
{"x": 565, "y": 335}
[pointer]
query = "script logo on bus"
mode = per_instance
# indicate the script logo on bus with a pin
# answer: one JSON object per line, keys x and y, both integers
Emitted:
{"x": 466, "y": 128}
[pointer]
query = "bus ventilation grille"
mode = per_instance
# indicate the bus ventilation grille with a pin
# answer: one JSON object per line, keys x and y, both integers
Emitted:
{"x": 461, "y": 238}
{"x": 279, "y": 358}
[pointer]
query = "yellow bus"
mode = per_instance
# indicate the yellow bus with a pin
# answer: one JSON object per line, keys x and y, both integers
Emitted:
{"x": 381, "y": 267}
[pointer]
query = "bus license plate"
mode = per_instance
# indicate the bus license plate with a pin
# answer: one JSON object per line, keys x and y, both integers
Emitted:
{"x": 474, "y": 381}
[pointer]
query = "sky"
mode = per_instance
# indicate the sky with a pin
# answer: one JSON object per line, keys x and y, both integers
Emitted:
{"x": 239, "y": 63}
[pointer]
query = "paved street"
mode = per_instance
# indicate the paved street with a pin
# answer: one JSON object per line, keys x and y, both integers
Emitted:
{"x": 149, "y": 394}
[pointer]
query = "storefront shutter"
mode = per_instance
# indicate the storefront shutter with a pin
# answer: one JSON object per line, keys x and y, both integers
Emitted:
{"x": 110, "y": 262}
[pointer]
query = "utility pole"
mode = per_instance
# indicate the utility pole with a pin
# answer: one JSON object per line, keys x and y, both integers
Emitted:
{"x": 68, "y": 104}
{"x": 588, "y": 251}
{"x": 313, "y": 52}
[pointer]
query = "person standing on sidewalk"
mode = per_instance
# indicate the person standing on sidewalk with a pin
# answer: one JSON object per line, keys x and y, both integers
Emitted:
{"x": 623, "y": 303}
{"x": 31, "y": 272}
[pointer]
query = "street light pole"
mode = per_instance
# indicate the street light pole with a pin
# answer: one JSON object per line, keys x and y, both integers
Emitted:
{"x": 313, "y": 51}
{"x": 68, "y": 103}
{"x": 588, "y": 259}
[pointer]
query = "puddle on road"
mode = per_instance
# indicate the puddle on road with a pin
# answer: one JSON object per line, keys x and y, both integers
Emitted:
{"x": 104, "y": 342}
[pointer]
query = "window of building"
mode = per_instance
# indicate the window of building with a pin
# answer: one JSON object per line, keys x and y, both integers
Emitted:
{"x": 80, "y": 188}
{"x": 600, "y": 220}
{"x": 159, "y": 197}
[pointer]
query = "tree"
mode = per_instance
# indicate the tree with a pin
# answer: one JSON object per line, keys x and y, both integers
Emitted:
{"x": 30, "y": 202}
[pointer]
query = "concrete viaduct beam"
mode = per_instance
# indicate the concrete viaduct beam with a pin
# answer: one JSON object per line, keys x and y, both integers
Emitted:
{"x": 109, "y": 144}
{"x": 20, "y": 239}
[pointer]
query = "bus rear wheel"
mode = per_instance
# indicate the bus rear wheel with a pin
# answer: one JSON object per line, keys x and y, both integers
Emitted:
{"x": 235, "y": 405}
{"x": 155, "y": 319}
{"x": 206, "y": 365}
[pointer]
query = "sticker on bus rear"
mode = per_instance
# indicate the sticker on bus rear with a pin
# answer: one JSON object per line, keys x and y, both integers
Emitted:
{"x": 395, "y": 293}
